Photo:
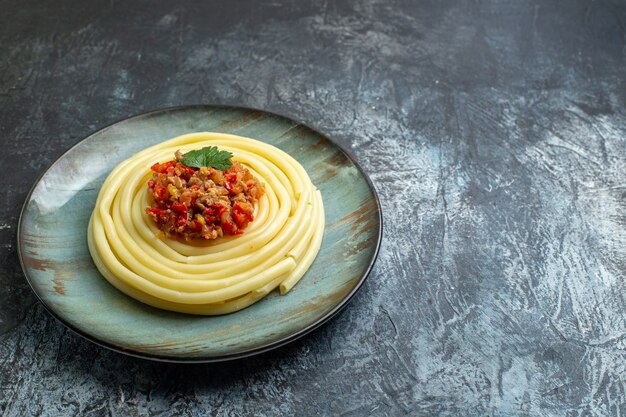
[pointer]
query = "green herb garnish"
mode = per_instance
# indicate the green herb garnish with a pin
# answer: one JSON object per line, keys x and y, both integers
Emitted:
{"x": 208, "y": 157}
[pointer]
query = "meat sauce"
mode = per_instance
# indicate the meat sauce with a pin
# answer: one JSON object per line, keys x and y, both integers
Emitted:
{"x": 202, "y": 203}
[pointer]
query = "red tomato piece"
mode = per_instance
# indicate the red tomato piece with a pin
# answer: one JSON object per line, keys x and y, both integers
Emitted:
{"x": 179, "y": 208}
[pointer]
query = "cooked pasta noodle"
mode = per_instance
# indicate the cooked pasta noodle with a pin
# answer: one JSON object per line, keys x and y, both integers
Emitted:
{"x": 216, "y": 276}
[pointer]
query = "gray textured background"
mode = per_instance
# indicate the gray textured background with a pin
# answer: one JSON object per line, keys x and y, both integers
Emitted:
{"x": 494, "y": 132}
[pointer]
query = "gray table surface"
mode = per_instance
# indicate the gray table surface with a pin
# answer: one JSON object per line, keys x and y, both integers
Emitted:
{"x": 494, "y": 132}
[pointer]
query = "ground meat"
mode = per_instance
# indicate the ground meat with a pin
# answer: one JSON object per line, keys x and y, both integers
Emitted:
{"x": 202, "y": 203}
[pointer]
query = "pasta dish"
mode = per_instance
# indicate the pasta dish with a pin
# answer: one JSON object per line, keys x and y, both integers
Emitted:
{"x": 173, "y": 259}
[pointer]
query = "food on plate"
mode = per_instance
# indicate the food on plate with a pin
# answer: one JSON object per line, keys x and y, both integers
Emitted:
{"x": 211, "y": 231}
{"x": 202, "y": 201}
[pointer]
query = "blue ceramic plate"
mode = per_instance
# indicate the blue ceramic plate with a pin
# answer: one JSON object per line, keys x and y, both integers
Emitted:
{"x": 52, "y": 242}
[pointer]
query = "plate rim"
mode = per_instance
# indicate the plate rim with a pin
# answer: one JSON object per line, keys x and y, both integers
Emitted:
{"x": 333, "y": 312}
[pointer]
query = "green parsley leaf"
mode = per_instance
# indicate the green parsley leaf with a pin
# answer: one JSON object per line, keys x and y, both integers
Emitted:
{"x": 208, "y": 157}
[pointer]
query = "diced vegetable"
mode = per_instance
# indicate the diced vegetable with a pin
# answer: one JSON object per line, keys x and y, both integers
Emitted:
{"x": 202, "y": 203}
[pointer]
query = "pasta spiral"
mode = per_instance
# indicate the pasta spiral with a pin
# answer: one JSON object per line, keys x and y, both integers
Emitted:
{"x": 207, "y": 277}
